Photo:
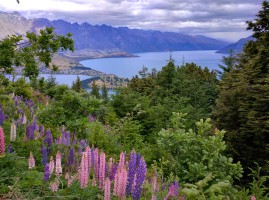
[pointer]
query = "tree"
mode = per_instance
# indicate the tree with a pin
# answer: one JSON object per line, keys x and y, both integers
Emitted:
{"x": 77, "y": 85}
{"x": 229, "y": 63}
{"x": 105, "y": 93}
{"x": 243, "y": 104}
{"x": 33, "y": 51}
{"x": 95, "y": 90}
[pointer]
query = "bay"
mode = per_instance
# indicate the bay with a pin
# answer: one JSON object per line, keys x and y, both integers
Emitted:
{"x": 129, "y": 67}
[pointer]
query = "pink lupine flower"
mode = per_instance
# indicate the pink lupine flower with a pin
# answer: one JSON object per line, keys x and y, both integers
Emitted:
{"x": 24, "y": 119}
{"x": 67, "y": 176}
{"x": 51, "y": 165}
{"x": 154, "y": 187}
{"x": 253, "y": 197}
{"x": 102, "y": 170}
{"x": 89, "y": 156}
{"x": 31, "y": 161}
{"x": 107, "y": 189}
{"x": 2, "y": 141}
{"x": 13, "y": 131}
{"x": 120, "y": 183}
{"x": 54, "y": 186}
{"x": 110, "y": 166}
{"x": 96, "y": 164}
{"x": 58, "y": 166}
{"x": 122, "y": 160}
{"x": 84, "y": 172}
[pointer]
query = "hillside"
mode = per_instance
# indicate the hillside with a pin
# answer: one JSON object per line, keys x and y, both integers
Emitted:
{"x": 108, "y": 38}
{"x": 237, "y": 47}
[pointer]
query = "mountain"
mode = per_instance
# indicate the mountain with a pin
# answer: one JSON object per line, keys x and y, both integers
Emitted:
{"x": 108, "y": 38}
{"x": 237, "y": 47}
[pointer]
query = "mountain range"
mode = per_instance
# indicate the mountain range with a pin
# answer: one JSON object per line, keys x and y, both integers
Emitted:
{"x": 110, "y": 39}
{"x": 237, "y": 47}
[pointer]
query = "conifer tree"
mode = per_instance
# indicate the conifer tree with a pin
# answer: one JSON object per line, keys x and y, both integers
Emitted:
{"x": 243, "y": 105}
{"x": 77, "y": 85}
{"x": 95, "y": 90}
{"x": 105, "y": 93}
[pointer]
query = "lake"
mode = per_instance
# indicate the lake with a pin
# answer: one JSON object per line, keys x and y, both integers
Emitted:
{"x": 129, "y": 67}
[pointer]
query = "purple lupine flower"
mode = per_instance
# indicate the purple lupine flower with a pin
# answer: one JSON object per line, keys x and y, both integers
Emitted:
{"x": 48, "y": 138}
{"x": 176, "y": 189}
{"x": 41, "y": 129}
{"x": 71, "y": 157}
{"x": 138, "y": 158}
{"x": 30, "y": 132}
{"x": 2, "y": 116}
{"x": 46, "y": 172}
{"x": 44, "y": 152}
{"x": 65, "y": 138}
{"x": 10, "y": 148}
{"x": 140, "y": 177}
{"x": 113, "y": 171}
{"x": 131, "y": 172}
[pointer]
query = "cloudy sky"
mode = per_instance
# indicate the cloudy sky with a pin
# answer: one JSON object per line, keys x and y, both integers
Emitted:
{"x": 223, "y": 19}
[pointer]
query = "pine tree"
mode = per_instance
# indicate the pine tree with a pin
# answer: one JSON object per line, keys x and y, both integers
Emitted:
{"x": 95, "y": 90}
{"x": 77, "y": 85}
{"x": 243, "y": 104}
{"x": 105, "y": 93}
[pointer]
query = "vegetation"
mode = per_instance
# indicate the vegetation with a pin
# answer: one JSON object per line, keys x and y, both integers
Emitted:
{"x": 147, "y": 139}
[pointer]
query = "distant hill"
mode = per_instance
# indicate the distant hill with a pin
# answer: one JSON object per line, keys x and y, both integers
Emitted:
{"x": 108, "y": 38}
{"x": 237, "y": 47}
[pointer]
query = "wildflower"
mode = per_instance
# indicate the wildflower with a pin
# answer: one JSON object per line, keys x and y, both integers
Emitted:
{"x": 2, "y": 141}
{"x": 107, "y": 189}
{"x": 253, "y": 197}
{"x": 46, "y": 172}
{"x": 96, "y": 164}
{"x": 10, "y": 148}
{"x": 120, "y": 182}
{"x": 31, "y": 161}
{"x": 71, "y": 157}
{"x": 51, "y": 165}
{"x": 84, "y": 172}
{"x": 122, "y": 160}
{"x": 2, "y": 116}
{"x": 58, "y": 166}
{"x": 140, "y": 177}
{"x": 102, "y": 170}
{"x": 24, "y": 118}
{"x": 48, "y": 138}
{"x": 89, "y": 156}
{"x": 30, "y": 131}
{"x": 13, "y": 131}
{"x": 54, "y": 186}
{"x": 131, "y": 172}
{"x": 44, "y": 152}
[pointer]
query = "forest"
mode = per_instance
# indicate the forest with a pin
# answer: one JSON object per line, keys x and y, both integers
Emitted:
{"x": 183, "y": 132}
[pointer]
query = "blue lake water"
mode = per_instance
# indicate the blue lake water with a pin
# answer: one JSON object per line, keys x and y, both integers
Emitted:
{"x": 129, "y": 67}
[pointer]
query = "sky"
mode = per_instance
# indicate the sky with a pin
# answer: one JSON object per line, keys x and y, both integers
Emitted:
{"x": 221, "y": 19}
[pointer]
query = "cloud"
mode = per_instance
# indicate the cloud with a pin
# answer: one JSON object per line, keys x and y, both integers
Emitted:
{"x": 206, "y": 17}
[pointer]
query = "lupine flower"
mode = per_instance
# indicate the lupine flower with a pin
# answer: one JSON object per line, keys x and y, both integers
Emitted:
{"x": 31, "y": 161}
{"x": 30, "y": 132}
{"x": 2, "y": 116}
{"x": 13, "y": 131}
{"x": 65, "y": 138}
{"x": 154, "y": 187}
{"x": 54, "y": 186}
{"x": 120, "y": 183}
{"x": 48, "y": 138}
{"x": 253, "y": 197}
{"x": 89, "y": 156}
{"x": 92, "y": 118}
{"x": 110, "y": 165}
{"x": 102, "y": 170}
{"x": 140, "y": 177}
{"x": 51, "y": 165}
{"x": 122, "y": 160}
{"x": 46, "y": 172}
{"x": 131, "y": 172}
{"x": 2, "y": 141}
{"x": 71, "y": 157}
{"x": 107, "y": 189}
{"x": 93, "y": 181}
{"x": 44, "y": 152}
{"x": 96, "y": 164}
{"x": 58, "y": 165}
{"x": 10, "y": 148}
{"x": 84, "y": 172}
{"x": 24, "y": 118}
{"x": 113, "y": 171}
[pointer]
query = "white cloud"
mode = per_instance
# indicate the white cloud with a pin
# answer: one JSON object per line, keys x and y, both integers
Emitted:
{"x": 206, "y": 17}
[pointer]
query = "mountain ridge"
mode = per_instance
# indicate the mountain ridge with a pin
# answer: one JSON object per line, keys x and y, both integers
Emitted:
{"x": 107, "y": 38}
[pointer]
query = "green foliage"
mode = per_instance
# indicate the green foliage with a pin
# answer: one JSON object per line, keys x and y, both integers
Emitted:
{"x": 228, "y": 65}
{"x": 95, "y": 90}
{"x": 77, "y": 85}
{"x": 37, "y": 49}
{"x": 242, "y": 107}
{"x": 194, "y": 155}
